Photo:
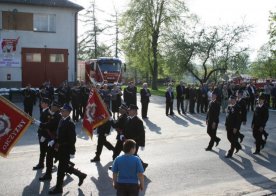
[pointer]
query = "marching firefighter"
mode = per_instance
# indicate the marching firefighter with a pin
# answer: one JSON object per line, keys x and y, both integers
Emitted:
{"x": 65, "y": 147}
{"x": 119, "y": 126}
{"x": 134, "y": 129}
{"x": 103, "y": 131}
{"x": 232, "y": 125}
{"x": 51, "y": 128}
{"x": 42, "y": 132}
{"x": 259, "y": 120}
{"x": 241, "y": 102}
{"x": 212, "y": 120}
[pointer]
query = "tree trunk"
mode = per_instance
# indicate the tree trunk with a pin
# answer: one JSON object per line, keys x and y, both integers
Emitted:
{"x": 155, "y": 62}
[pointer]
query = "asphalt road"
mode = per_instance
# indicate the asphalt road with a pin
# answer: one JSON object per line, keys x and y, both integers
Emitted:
{"x": 178, "y": 163}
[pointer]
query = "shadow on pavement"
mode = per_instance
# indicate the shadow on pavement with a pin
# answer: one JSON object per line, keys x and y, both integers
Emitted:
{"x": 152, "y": 126}
{"x": 34, "y": 187}
{"x": 103, "y": 182}
{"x": 147, "y": 181}
{"x": 245, "y": 168}
{"x": 179, "y": 120}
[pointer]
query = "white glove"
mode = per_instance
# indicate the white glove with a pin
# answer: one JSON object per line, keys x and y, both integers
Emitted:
{"x": 36, "y": 122}
{"x": 142, "y": 148}
{"x": 51, "y": 143}
{"x": 105, "y": 134}
{"x": 122, "y": 137}
{"x": 42, "y": 139}
{"x": 72, "y": 156}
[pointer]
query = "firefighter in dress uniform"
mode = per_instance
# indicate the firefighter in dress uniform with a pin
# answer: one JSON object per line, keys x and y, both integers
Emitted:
{"x": 51, "y": 128}
{"x": 145, "y": 99}
{"x": 42, "y": 132}
{"x": 76, "y": 101}
{"x": 259, "y": 120}
{"x": 103, "y": 131}
{"x": 29, "y": 99}
{"x": 64, "y": 93}
{"x": 129, "y": 94}
{"x": 232, "y": 125}
{"x": 65, "y": 147}
{"x": 119, "y": 126}
{"x": 241, "y": 102}
{"x": 134, "y": 129}
{"x": 212, "y": 120}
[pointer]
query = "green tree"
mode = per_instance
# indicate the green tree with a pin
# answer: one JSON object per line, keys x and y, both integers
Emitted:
{"x": 145, "y": 23}
{"x": 208, "y": 51}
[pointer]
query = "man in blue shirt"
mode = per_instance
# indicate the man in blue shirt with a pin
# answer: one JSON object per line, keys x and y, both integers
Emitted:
{"x": 128, "y": 171}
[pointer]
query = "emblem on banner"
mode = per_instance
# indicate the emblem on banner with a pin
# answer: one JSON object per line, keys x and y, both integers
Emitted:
{"x": 5, "y": 125}
{"x": 90, "y": 112}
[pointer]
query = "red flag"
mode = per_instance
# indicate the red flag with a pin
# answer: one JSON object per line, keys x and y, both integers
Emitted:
{"x": 13, "y": 124}
{"x": 95, "y": 114}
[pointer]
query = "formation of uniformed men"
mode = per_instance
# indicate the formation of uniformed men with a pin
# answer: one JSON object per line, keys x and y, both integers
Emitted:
{"x": 56, "y": 129}
{"x": 236, "y": 115}
{"x": 57, "y": 138}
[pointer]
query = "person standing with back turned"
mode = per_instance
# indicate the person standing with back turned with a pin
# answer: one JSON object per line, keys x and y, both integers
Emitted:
{"x": 128, "y": 171}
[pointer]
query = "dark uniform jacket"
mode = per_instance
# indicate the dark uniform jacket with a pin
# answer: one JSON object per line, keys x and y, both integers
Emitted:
{"x": 145, "y": 94}
{"x": 104, "y": 128}
{"x": 169, "y": 96}
{"x": 44, "y": 118}
{"x": 130, "y": 95}
{"x": 66, "y": 136}
{"x": 242, "y": 110}
{"x": 134, "y": 129}
{"x": 119, "y": 124}
{"x": 260, "y": 116}
{"x": 232, "y": 117}
{"x": 180, "y": 91}
{"x": 52, "y": 125}
{"x": 63, "y": 94}
{"x": 29, "y": 96}
{"x": 76, "y": 96}
{"x": 213, "y": 112}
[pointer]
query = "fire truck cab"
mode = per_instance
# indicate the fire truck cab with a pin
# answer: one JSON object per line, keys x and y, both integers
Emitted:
{"x": 108, "y": 69}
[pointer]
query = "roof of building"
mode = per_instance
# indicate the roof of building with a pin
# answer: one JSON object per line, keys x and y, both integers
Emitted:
{"x": 48, "y": 3}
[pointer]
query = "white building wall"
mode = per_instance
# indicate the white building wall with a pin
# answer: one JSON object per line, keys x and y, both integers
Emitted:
{"x": 64, "y": 38}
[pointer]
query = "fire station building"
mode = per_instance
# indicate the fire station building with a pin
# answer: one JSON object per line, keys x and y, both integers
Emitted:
{"x": 38, "y": 42}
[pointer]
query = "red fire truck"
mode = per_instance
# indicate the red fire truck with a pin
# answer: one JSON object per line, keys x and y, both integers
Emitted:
{"x": 108, "y": 69}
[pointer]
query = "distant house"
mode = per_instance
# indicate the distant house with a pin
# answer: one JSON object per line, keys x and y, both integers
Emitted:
{"x": 38, "y": 42}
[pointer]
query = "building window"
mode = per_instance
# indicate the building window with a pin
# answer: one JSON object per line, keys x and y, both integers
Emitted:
{"x": 45, "y": 22}
{"x": 14, "y": 20}
{"x": 56, "y": 58}
{"x": 33, "y": 57}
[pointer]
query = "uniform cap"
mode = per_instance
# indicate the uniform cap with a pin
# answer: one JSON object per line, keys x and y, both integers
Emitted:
{"x": 123, "y": 107}
{"x": 133, "y": 107}
{"x": 262, "y": 96}
{"x": 45, "y": 100}
{"x": 57, "y": 104}
{"x": 67, "y": 107}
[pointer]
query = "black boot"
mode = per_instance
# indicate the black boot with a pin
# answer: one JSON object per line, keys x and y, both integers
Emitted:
{"x": 38, "y": 166}
{"x": 58, "y": 187}
{"x": 56, "y": 190}
{"x": 78, "y": 173}
{"x": 95, "y": 159}
{"x": 46, "y": 176}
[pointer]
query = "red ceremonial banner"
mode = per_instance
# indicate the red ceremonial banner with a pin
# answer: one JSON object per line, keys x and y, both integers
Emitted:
{"x": 95, "y": 114}
{"x": 13, "y": 124}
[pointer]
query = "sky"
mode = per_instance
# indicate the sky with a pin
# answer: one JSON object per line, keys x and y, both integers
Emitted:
{"x": 215, "y": 12}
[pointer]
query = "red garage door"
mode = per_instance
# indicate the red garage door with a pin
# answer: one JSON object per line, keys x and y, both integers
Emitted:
{"x": 43, "y": 64}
